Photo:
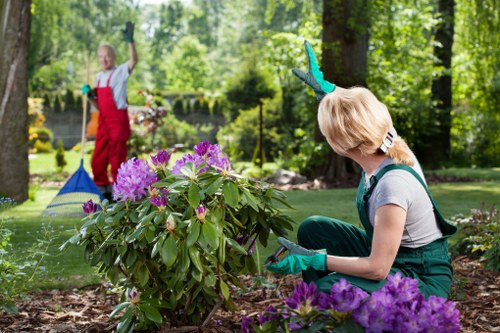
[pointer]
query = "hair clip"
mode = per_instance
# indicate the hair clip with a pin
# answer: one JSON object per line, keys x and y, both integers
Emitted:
{"x": 389, "y": 139}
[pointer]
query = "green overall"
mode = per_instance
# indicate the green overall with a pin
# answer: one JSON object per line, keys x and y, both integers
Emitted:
{"x": 429, "y": 264}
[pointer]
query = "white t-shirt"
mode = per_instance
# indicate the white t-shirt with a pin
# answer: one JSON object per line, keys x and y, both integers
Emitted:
{"x": 401, "y": 188}
{"x": 118, "y": 84}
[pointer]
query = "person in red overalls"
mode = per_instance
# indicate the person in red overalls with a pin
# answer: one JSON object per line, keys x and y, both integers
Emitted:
{"x": 110, "y": 97}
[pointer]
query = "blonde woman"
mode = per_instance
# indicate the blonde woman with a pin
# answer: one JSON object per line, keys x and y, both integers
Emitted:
{"x": 403, "y": 228}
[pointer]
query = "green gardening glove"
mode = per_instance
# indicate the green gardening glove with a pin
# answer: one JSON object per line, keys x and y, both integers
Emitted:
{"x": 86, "y": 90}
{"x": 299, "y": 259}
{"x": 296, "y": 263}
{"x": 314, "y": 76}
{"x": 128, "y": 32}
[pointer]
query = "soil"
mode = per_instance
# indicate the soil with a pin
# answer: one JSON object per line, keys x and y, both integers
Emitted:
{"x": 476, "y": 292}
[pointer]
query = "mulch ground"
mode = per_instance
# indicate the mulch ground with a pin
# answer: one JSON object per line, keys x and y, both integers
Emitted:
{"x": 476, "y": 292}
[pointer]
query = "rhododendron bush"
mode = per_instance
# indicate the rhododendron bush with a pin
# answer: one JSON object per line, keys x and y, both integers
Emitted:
{"x": 177, "y": 238}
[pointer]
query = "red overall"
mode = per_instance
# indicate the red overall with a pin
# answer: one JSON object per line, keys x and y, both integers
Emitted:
{"x": 113, "y": 132}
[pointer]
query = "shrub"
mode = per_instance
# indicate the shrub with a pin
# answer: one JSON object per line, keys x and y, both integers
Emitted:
{"x": 478, "y": 236}
{"x": 60, "y": 158}
{"x": 177, "y": 239}
{"x": 399, "y": 306}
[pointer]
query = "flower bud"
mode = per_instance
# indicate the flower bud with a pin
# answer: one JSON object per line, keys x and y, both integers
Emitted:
{"x": 201, "y": 212}
{"x": 89, "y": 207}
{"x": 170, "y": 224}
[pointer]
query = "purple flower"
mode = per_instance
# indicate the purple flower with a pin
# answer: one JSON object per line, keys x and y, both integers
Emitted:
{"x": 246, "y": 324}
{"x": 202, "y": 148}
{"x": 187, "y": 158}
{"x": 201, "y": 212}
{"x": 306, "y": 298}
{"x": 399, "y": 306}
{"x": 204, "y": 152}
{"x": 89, "y": 207}
{"x": 158, "y": 197}
{"x": 133, "y": 296}
{"x": 161, "y": 158}
{"x": 242, "y": 239}
{"x": 134, "y": 177}
{"x": 345, "y": 297}
{"x": 269, "y": 314}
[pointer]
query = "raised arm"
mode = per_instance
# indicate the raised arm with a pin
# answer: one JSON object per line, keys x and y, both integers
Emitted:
{"x": 128, "y": 33}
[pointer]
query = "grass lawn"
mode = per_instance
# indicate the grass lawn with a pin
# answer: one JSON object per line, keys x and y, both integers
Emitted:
{"x": 68, "y": 269}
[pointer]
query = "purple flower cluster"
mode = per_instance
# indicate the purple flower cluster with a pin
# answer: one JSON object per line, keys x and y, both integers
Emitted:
{"x": 399, "y": 306}
{"x": 161, "y": 158}
{"x": 204, "y": 152}
{"x": 89, "y": 207}
{"x": 134, "y": 178}
{"x": 344, "y": 297}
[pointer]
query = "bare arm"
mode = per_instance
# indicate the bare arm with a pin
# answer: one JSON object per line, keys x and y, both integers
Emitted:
{"x": 133, "y": 58}
{"x": 388, "y": 231}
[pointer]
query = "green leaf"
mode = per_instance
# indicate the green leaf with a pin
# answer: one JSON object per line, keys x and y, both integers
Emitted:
{"x": 194, "y": 195}
{"x": 151, "y": 313}
{"x": 193, "y": 233}
{"x": 215, "y": 186}
{"x": 234, "y": 244}
{"x": 224, "y": 289}
{"x": 210, "y": 234}
{"x": 131, "y": 258}
{"x": 222, "y": 249}
{"x": 194, "y": 254}
{"x": 117, "y": 309}
{"x": 158, "y": 245}
{"x": 126, "y": 323}
{"x": 148, "y": 218}
{"x": 231, "y": 193}
{"x": 209, "y": 280}
{"x": 169, "y": 251}
{"x": 179, "y": 183}
{"x": 142, "y": 275}
{"x": 250, "y": 200}
{"x": 134, "y": 235}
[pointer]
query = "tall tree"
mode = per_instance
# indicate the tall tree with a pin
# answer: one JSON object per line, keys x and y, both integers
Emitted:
{"x": 14, "y": 42}
{"x": 344, "y": 62}
{"x": 438, "y": 150}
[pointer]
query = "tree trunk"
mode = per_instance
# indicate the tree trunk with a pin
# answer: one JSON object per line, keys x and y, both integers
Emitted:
{"x": 344, "y": 62}
{"x": 438, "y": 148}
{"x": 14, "y": 42}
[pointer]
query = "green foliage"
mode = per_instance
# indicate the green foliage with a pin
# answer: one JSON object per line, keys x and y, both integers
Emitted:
{"x": 478, "y": 236}
{"x": 60, "y": 158}
{"x": 401, "y": 65}
{"x": 476, "y": 94}
{"x": 248, "y": 89}
{"x": 302, "y": 153}
{"x": 240, "y": 137}
{"x": 69, "y": 101}
{"x": 174, "y": 131}
{"x": 175, "y": 264}
{"x": 58, "y": 108}
{"x": 178, "y": 107}
{"x": 17, "y": 272}
{"x": 40, "y": 140}
{"x": 187, "y": 68}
